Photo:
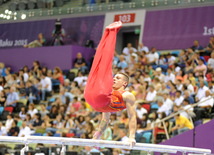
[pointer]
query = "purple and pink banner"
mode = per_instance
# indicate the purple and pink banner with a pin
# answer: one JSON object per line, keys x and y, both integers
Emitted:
{"x": 77, "y": 30}
{"x": 178, "y": 28}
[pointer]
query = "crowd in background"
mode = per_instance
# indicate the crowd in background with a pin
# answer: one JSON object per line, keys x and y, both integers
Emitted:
{"x": 161, "y": 83}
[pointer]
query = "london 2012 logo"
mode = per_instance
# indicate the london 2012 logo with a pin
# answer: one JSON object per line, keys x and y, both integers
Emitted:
{"x": 208, "y": 31}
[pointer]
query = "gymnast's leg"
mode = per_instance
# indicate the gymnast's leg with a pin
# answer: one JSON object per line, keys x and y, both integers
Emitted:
{"x": 100, "y": 81}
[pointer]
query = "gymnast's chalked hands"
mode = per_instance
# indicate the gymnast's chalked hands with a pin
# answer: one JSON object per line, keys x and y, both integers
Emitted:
{"x": 132, "y": 142}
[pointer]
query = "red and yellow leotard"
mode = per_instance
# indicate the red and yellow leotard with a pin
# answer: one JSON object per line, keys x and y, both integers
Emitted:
{"x": 99, "y": 92}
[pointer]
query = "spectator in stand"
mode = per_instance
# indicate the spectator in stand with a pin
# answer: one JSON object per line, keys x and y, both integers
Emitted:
{"x": 160, "y": 128}
{"x": 170, "y": 76}
{"x": 67, "y": 85}
{"x": 2, "y": 70}
{"x": 130, "y": 56}
{"x": 143, "y": 48}
{"x": 162, "y": 60}
{"x": 81, "y": 79}
{"x": 43, "y": 110}
{"x": 23, "y": 112}
{"x": 207, "y": 103}
{"x": 147, "y": 78}
{"x": 201, "y": 78}
{"x": 25, "y": 130}
{"x": 192, "y": 78}
{"x": 122, "y": 63}
{"x": 151, "y": 95}
{"x": 24, "y": 74}
{"x": 201, "y": 91}
{"x": 36, "y": 67}
{"x": 22, "y": 90}
{"x": 62, "y": 97}
{"x": 211, "y": 87}
{"x": 57, "y": 76}
{"x": 37, "y": 121}
{"x": 188, "y": 110}
{"x": 82, "y": 110}
{"x": 171, "y": 59}
{"x": 18, "y": 119}
{"x": 75, "y": 103}
{"x": 124, "y": 138}
{"x": 153, "y": 57}
{"x": 189, "y": 86}
{"x": 211, "y": 61}
{"x": 107, "y": 134}
{"x": 163, "y": 107}
{"x": 115, "y": 59}
{"x": 3, "y": 98}
{"x": 160, "y": 75}
{"x": 26, "y": 69}
{"x": 2, "y": 81}
{"x": 179, "y": 99}
{"x": 50, "y": 74}
{"x": 209, "y": 48}
{"x": 197, "y": 57}
{"x": 80, "y": 63}
{"x": 46, "y": 86}
{"x": 14, "y": 130}
{"x": 140, "y": 110}
{"x": 12, "y": 80}
{"x": 36, "y": 43}
{"x": 9, "y": 122}
{"x": 188, "y": 68}
{"x": 181, "y": 76}
{"x": 157, "y": 83}
{"x": 32, "y": 93}
{"x": 167, "y": 101}
{"x": 28, "y": 119}
{"x": 62, "y": 109}
{"x": 197, "y": 46}
{"x": 32, "y": 110}
{"x": 53, "y": 112}
{"x": 201, "y": 67}
{"x": 45, "y": 69}
{"x": 161, "y": 91}
{"x": 190, "y": 55}
{"x": 182, "y": 58}
{"x": 12, "y": 98}
{"x": 179, "y": 85}
{"x": 172, "y": 91}
{"x": 182, "y": 124}
{"x": 3, "y": 130}
{"x": 47, "y": 122}
{"x": 126, "y": 49}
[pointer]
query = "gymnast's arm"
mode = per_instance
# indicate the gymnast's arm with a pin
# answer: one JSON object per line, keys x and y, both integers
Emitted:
{"x": 130, "y": 106}
{"x": 103, "y": 125}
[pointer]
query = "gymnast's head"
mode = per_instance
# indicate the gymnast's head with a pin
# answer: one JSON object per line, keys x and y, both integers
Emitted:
{"x": 121, "y": 81}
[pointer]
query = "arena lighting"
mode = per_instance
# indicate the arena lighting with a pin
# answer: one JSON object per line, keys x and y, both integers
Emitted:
{"x": 5, "y": 16}
{"x": 9, "y": 12}
{"x": 14, "y": 18}
{"x": 6, "y": 11}
{"x": 15, "y": 13}
{"x": 23, "y": 16}
{"x": 1, "y": 15}
{"x": 8, "y": 17}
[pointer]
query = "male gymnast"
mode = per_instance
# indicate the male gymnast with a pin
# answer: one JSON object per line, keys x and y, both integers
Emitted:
{"x": 105, "y": 93}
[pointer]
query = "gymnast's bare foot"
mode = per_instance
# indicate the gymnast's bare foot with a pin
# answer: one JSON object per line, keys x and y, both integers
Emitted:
{"x": 115, "y": 25}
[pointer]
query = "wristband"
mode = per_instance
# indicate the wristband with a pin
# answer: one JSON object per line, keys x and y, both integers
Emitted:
{"x": 97, "y": 134}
